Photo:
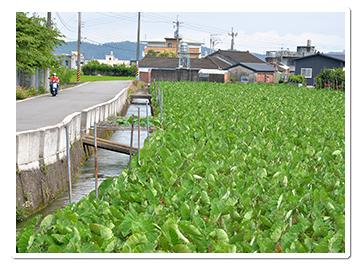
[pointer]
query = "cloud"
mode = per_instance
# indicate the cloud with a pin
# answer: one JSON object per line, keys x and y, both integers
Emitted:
{"x": 261, "y": 42}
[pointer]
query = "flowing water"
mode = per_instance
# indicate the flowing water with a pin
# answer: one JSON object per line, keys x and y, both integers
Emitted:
{"x": 110, "y": 164}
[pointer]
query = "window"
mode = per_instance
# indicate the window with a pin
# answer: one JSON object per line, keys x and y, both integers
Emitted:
{"x": 169, "y": 44}
{"x": 306, "y": 72}
{"x": 244, "y": 78}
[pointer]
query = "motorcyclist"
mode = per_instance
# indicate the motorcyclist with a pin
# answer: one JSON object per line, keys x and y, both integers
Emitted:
{"x": 56, "y": 79}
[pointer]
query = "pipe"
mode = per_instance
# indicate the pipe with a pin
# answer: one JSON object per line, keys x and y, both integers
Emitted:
{"x": 130, "y": 146}
{"x": 148, "y": 123}
{"x": 96, "y": 159}
{"x": 139, "y": 133}
{"x": 68, "y": 160}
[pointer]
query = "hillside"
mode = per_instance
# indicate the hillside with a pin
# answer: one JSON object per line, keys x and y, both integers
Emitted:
{"x": 121, "y": 50}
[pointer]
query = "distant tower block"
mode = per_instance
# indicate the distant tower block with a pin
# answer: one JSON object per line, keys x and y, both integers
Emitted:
{"x": 184, "y": 60}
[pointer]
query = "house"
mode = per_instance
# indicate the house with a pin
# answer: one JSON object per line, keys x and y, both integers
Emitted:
{"x": 310, "y": 66}
{"x": 169, "y": 43}
{"x": 243, "y": 66}
{"x": 167, "y": 69}
{"x": 279, "y": 66}
{"x": 70, "y": 61}
{"x": 287, "y": 57}
{"x": 113, "y": 61}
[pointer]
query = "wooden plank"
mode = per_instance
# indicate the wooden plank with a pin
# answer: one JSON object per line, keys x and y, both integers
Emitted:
{"x": 106, "y": 144}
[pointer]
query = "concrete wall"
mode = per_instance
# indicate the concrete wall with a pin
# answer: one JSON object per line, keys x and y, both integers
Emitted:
{"x": 164, "y": 75}
{"x": 183, "y": 75}
{"x": 41, "y": 155}
{"x": 239, "y": 71}
{"x": 254, "y": 77}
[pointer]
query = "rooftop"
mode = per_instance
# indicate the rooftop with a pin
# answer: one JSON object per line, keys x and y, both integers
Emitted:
{"x": 163, "y": 40}
{"x": 333, "y": 56}
{"x": 168, "y": 62}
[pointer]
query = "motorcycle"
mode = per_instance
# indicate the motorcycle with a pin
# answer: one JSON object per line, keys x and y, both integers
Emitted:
{"x": 54, "y": 88}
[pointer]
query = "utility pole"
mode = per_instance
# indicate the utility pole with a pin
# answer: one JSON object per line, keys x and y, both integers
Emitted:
{"x": 232, "y": 34}
{"x": 49, "y": 21}
{"x": 46, "y": 76}
{"x": 177, "y": 35}
{"x": 213, "y": 41}
{"x": 210, "y": 43}
{"x": 138, "y": 42}
{"x": 79, "y": 36}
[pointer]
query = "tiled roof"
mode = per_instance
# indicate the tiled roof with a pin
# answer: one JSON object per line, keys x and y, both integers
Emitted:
{"x": 159, "y": 62}
{"x": 222, "y": 59}
{"x": 202, "y": 63}
{"x": 258, "y": 67}
{"x": 241, "y": 56}
{"x": 336, "y": 57}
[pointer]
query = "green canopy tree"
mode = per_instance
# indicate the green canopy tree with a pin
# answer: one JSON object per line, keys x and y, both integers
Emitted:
{"x": 167, "y": 53}
{"x": 151, "y": 53}
{"x": 35, "y": 43}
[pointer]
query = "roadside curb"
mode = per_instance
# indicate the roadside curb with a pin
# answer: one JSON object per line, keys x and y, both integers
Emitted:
{"x": 36, "y": 96}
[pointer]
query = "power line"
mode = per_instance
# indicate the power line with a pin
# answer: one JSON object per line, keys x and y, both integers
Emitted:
{"x": 114, "y": 47}
{"x": 64, "y": 23}
{"x": 110, "y": 18}
{"x": 108, "y": 35}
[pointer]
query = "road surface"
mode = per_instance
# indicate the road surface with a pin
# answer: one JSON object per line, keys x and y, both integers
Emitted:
{"x": 46, "y": 110}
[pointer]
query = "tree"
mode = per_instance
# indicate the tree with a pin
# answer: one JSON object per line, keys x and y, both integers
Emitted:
{"x": 151, "y": 53}
{"x": 35, "y": 43}
{"x": 167, "y": 53}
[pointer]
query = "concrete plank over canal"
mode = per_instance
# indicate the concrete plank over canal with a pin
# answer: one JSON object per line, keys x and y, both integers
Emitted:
{"x": 45, "y": 110}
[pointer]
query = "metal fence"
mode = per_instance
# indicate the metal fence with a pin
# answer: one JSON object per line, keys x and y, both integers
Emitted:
{"x": 27, "y": 80}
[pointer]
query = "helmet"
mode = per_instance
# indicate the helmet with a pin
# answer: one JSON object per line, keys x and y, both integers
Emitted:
{"x": 54, "y": 74}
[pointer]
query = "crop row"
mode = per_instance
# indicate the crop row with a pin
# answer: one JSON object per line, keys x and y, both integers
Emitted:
{"x": 234, "y": 168}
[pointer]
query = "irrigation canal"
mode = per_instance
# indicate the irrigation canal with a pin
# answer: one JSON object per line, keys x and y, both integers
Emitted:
{"x": 110, "y": 164}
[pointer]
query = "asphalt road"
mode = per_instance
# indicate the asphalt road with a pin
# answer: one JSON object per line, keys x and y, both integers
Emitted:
{"x": 46, "y": 110}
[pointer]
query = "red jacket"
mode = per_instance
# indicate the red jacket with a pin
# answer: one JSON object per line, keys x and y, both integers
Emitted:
{"x": 56, "y": 79}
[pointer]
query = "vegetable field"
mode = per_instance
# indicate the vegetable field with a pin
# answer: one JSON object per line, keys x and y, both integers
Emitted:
{"x": 233, "y": 169}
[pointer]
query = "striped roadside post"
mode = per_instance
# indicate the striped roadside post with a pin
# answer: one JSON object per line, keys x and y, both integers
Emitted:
{"x": 78, "y": 75}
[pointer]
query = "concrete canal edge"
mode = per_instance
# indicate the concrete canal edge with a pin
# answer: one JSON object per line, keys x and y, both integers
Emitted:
{"x": 41, "y": 155}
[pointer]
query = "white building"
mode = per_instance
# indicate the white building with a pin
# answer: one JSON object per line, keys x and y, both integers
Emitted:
{"x": 113, "y": 61}
{"x": 71, "y": 60}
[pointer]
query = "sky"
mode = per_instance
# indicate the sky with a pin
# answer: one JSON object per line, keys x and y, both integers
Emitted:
{"x": 256, "y": 31}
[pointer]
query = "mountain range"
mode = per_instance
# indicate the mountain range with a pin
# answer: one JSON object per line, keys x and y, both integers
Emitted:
{"x": 122, "y": 50}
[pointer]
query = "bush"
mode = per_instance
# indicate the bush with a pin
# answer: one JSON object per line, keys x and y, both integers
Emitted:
{"x": 297, "y": 79}
{"x": 63, "y": 74}
{"x": 21, "y": 94}
{"x": 42, "y": 90}
{"x": 32, "y": 91}
{"x": 94, "y": 68}
{"x": 331, "y": 78}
